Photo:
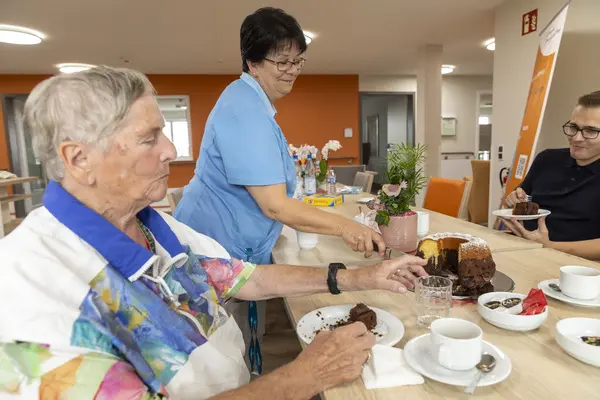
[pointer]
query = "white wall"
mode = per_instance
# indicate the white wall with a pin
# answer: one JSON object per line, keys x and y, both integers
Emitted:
{"x": 397, "y": 84}
{"x": 573, "y": 77}
{"x": 459, "y": 99}
{"x": 576, "y": 72}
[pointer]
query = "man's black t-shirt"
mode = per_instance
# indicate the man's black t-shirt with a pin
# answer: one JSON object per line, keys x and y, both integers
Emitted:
{"x": 570, "y": 192}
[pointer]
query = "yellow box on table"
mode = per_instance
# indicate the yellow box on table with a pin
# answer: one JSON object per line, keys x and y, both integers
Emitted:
{"x": 324, "y": 200}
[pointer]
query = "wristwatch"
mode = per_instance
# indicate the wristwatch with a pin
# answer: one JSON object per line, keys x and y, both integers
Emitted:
{"x": 332, "y": 277}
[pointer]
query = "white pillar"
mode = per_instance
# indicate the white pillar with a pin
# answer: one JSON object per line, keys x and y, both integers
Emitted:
{"x": 429, "y": 106}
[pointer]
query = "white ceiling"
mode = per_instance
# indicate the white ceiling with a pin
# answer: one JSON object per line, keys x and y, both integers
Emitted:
{"x": 199, "y": 36}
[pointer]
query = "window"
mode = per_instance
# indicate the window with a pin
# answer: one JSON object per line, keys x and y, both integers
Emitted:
{"x": 178, "y": 133}
{"x": 175, "y": 110}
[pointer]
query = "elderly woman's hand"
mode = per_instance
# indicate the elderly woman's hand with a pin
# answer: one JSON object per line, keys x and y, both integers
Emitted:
{"x": 396, "y": 275}
{"x": 361, "y": 238}
{"x": 337, "y": 357}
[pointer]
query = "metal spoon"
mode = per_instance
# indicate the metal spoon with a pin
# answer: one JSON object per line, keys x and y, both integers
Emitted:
{"x": 555, "y": 287}
{"x": 487, "y": 364}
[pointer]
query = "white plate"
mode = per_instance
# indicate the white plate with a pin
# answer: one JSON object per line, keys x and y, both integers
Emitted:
{"x": 365, "y": 200}
{"x": 548, "y": 291}
{"x": 568, "y": 335}
{"x": 389, "y": 329}
{"x": 417, "y": 355}
{"x": 507, "y": 213}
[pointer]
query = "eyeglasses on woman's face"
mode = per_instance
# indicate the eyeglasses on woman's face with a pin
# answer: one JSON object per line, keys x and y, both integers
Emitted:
{"x": 284, "y": 66}
{"x": 587, "y": 132}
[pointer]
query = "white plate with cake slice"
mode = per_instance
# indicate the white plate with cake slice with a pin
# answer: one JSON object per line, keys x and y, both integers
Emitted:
{"x": 507, "y": 213}
{"x": 388, "y": 331}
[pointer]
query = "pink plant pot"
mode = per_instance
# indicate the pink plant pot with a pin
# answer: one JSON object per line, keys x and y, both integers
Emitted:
{"x": 401, "y": 232}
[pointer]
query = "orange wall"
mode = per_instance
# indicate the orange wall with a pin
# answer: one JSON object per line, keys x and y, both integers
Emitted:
{"x": 317, "y": 110}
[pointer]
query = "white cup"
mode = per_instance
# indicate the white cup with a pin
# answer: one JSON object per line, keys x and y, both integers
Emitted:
{"x": 580, "y": 282}
{"x": 422, "y": 223}
{"x": 307, "y": 240}
{"x": 456, "y": 344}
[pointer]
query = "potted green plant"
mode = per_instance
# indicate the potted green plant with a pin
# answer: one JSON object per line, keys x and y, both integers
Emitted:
{"x": 397, "y": 222}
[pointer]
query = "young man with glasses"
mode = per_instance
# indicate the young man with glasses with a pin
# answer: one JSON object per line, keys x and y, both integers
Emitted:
{"x": 567, "y": 182}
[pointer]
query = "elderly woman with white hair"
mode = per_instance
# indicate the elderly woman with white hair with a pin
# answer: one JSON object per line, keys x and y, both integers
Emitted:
{"x": 105, "y": 298}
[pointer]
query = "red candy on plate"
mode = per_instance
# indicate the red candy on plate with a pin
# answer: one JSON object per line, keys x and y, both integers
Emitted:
{"x": 534, "y": 303}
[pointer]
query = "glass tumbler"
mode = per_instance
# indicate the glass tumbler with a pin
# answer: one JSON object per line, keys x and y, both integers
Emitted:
{"x": 434, "y": 299}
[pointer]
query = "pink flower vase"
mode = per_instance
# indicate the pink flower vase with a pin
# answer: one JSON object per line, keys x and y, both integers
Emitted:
{"x": 401, "y": 232}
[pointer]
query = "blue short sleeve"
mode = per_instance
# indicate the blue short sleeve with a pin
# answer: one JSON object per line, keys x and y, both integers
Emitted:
{"x": 249, "y": 145}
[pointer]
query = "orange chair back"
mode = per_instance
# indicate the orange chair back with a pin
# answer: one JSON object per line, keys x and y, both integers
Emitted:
{"x": 444, "y": 196}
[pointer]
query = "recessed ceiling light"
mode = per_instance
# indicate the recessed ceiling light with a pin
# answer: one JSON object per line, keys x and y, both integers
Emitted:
{"x": 69, "y": 68}
{"x": 19, "y": 35}
{"x": 309, "y": 36}
{"x": 490, "y": 44}
{"x": 446, "y": 69}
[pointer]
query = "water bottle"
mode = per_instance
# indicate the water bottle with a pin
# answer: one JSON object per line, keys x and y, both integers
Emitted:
{"x": 331, "y": 190}
{"x": 310, "y": 179}
{"x": 299, "y": 191}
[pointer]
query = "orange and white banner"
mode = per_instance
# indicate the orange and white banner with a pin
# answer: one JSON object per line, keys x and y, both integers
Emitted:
{"x": 539, "y": 88}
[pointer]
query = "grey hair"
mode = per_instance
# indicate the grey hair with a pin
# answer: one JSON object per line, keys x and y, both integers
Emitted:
{"x": 87, "y": 107}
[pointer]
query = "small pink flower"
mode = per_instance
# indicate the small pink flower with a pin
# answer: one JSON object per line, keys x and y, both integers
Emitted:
{"x": 403, "y": 185}
{"x": 392, "y": 190}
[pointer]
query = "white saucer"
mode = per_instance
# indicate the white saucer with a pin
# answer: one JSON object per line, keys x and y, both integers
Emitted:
{"x": 417, "y": 355}
{"x": 389, "y": 329}
{"x": 507, "y": 213}
{"x": 548, "y": 291}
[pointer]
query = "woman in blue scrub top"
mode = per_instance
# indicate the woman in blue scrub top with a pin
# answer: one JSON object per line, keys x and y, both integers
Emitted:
{"x": 241, "y": 192}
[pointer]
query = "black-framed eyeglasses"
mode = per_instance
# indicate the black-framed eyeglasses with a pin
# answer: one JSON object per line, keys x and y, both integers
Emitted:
{"x": 283, "y": 66}
{"x": 588, "y": 132}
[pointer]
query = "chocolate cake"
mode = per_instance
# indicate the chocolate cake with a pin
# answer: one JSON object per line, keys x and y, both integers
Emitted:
{"x": 526, "y": 208}
{"x": 364, "y": 314}
{"x": 465, "y": 257}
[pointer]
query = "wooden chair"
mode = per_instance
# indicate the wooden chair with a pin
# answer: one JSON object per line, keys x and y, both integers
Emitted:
{"x": 446, "y": 196}
{"x": 174, "y": 197}
{"x": 365, "y": 180}
{"x": 480, "y": 192}
{"x": 463, "y": 211}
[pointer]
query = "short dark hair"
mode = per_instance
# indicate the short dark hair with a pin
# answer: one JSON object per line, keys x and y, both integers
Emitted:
{"x": 266, "y": 30}
{"x": 590, "y": 100}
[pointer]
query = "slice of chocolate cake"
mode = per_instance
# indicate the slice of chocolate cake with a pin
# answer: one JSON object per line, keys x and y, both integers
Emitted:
{"x": 526, "y": 208}
{"x": 364, "y": 314}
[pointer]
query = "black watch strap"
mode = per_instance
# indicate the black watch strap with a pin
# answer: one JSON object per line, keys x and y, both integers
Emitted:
{"x": 332, "y": 277}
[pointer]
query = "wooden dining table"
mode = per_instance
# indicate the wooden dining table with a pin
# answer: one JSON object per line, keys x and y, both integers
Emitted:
{"x": 540, "y": 368}
{"x": 331, "y": 248}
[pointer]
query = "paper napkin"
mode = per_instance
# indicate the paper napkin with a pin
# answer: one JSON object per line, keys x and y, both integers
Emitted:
{"x": 387, "y": 368}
